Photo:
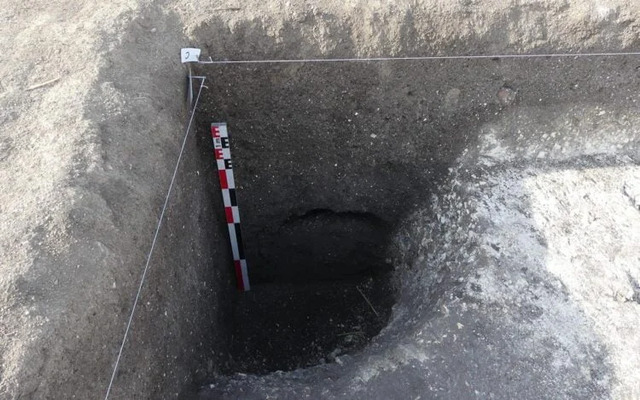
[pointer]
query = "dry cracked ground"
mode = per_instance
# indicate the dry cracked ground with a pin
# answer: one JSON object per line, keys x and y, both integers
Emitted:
{"x": 445, "y": 229}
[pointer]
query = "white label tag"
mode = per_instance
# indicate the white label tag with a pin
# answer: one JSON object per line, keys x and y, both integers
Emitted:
{"x": 189, "y": 55}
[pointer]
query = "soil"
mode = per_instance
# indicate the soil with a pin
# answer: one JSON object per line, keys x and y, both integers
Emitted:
{"x": 487, "y": 210}
{"x": 284, "y": 327}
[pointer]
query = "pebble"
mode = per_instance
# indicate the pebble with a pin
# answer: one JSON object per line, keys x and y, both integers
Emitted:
{"x": 507, "y": 96}
{"x": 452, "y": 99}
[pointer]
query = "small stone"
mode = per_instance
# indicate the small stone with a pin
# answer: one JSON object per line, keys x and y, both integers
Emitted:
{"x": 507, "y": 96}
{"x": 452, "y": 99}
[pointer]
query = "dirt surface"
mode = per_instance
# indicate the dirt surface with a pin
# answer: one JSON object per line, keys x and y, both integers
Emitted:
{"x": 506, "y": 192}
{"x": 284, "y": 327}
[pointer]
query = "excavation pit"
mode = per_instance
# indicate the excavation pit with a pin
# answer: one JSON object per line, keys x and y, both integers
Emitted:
{"x": 355, "y": 183}
{"x": 332, "y": 163}
{"x": 324, "y": 176}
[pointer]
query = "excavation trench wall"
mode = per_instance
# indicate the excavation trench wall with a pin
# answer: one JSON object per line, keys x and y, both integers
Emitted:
{"x": 387, "y": 178}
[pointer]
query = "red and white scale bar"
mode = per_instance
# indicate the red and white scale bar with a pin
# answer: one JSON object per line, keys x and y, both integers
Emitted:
{"x": 222, "y": 151}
